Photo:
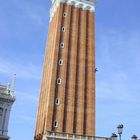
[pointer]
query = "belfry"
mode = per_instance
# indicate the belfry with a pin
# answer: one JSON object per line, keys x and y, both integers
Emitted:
{"x": 67, "y": 98}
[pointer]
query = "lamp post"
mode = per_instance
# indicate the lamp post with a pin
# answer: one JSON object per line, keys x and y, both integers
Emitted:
{"x": 120, "y": 130}
{"x": 134, "y": 137}
{"x": 114, "y": 136}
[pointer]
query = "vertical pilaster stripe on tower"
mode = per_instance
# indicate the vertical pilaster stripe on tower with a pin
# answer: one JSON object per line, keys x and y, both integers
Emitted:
{"x": 71, "y": 73}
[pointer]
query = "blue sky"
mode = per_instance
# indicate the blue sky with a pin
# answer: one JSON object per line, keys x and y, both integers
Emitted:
{"x": 23, "y": 32}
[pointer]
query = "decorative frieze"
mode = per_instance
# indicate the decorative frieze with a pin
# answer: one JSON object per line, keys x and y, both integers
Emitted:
{"x": 84, "y": 4}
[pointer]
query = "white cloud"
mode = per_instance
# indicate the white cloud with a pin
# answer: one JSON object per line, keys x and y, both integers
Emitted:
{"x": 118, "y": 63}
{"x": 31, "y": 97}
{"x": 25, "y": 118}
{"x": 33, "y": 11}
{"x": 24, "y": 70}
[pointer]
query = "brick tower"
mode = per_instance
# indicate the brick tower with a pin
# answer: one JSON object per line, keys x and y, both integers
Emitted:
{"x": 67, "y": 98}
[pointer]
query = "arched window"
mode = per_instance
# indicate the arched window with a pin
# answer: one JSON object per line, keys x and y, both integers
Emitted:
{"x": 1, "y": 113}
{"x": 4, "y": 120}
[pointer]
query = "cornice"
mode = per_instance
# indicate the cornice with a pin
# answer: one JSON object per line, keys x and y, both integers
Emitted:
{"x": 7, "y": 98}
{"x": 84, "y": 4}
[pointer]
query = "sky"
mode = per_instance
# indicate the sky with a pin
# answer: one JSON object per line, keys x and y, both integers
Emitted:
{"x": 23, "y": 33}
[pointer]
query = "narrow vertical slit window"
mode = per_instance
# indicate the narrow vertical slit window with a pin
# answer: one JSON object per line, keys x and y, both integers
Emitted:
{"x": 62, "y": 45}
{"x": 59, "y": 81}
{"x": 63, "y": 29}
{"x": 57, "y": 102}
{"x": 60, "y": 62}
{"x": 55, "y": 124}
{"x": 64, "y": 14}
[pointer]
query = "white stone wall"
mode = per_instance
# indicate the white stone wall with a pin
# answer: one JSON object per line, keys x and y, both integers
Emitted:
{"x": 5, "y": 113}
{"x": 6, "y": 101}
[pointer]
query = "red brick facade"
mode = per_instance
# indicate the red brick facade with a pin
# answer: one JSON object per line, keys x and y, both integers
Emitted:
{"x": 75, "y": 113}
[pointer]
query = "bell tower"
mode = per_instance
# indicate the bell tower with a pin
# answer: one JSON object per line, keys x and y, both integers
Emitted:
{"x": 67, "y": 97}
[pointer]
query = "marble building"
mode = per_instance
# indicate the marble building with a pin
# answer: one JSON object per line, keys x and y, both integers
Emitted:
{"x": 7, "y": 98}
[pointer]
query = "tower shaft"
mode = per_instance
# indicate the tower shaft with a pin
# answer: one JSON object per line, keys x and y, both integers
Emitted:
{"x": 67, "y": 96}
